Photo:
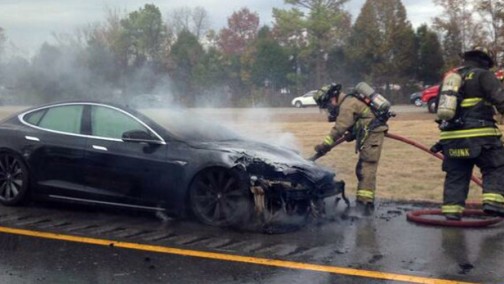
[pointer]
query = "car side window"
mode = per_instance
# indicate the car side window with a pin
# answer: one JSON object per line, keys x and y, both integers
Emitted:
{"x": 60, "y": 118}
{"x": 111, "y": 123}
{"x": 34, "y": 117}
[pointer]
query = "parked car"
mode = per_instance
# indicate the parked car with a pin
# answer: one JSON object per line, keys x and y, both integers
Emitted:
{"x": 416, "y": 99}
{"x": 305, "y": 100}
{"x": 104, "y": 154}
{"x": 429, "y": 97}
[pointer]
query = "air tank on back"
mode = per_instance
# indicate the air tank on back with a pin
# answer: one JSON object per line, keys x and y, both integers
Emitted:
{"x": 376, "y": 100}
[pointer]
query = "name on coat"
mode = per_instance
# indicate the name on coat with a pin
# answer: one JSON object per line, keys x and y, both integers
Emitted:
{"x": 459, "y": 153}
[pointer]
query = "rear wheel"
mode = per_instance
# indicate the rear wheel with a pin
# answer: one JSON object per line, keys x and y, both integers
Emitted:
{"x": 220, "y": 197}
{"x": 431, "y": 105}
{"x": 13, "y": 179}
{"x": 298, "y": 104}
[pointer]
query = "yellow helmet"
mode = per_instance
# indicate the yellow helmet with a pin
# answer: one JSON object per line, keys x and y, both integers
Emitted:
{"x": 480, "y": 53}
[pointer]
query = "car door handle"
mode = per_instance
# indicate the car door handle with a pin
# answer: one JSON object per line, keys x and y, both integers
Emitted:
{"x": 101, "y": 148}
{"x": 32, "y": 138}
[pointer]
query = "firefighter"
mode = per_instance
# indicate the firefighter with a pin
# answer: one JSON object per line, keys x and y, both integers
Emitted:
{"x": 354, "y": 120}
{"x": 469, "y": 135}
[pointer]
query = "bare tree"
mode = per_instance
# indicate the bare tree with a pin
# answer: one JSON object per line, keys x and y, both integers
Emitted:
{"x": 458, "y": 28}
{"x": 194, "y": 20}
{"x": 492, "y": 15}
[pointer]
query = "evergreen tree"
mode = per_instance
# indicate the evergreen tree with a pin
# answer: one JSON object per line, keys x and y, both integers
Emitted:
{"x": 382, "y": 44}
{"x": 185, "y": 58}
{"x": 430, "y": 56}
{"x": 313, "y": 35}
{"x": 271, "y": 61}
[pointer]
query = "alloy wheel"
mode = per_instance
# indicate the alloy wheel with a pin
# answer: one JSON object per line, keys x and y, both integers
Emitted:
{"x": 13, "y": 179}
{"x": 218, "y": 197}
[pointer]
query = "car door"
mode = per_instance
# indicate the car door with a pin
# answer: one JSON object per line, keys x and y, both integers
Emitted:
{"x": 57, "y": 149}
{"x": 122, "y": 172}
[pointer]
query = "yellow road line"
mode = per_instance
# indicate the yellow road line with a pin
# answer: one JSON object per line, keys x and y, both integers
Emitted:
{"x": 229, "y": 257}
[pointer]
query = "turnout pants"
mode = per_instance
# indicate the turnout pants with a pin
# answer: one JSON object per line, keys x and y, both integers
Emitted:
{"x": 367, "y": 166}
{"x": 458, "y": 176}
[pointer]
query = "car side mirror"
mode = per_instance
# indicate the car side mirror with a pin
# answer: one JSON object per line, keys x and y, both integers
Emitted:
{"x": 139, "y": 136}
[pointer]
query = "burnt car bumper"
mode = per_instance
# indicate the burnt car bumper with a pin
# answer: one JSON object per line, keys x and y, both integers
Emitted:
{"x": 320, "y": 192}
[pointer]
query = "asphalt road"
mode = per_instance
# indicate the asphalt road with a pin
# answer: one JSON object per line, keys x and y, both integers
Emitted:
{"x": 67, "y": 244}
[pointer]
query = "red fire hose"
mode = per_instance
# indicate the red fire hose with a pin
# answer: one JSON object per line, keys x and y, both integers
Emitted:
{"x": 425, "y": 149}
{"x": 420, "y": 216}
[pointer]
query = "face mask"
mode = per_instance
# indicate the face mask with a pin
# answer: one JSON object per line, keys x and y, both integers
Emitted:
{"x": 332, "y": 112}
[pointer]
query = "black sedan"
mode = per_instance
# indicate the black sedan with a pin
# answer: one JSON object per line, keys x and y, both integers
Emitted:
{"x": 104, "y": 154}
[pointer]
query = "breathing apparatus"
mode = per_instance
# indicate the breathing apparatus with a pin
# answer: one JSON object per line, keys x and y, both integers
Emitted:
{"x": 379, "y": 105}
{"x": 449, "y": 96}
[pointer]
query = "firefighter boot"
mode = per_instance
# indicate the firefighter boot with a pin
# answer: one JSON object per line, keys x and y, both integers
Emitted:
{"x": 453, "y": 216}
{"x": 452, "y": 212}
{"x": 364, "y": 208}
{"x": 493, "y": 210}
{"x": 493, "y": 204}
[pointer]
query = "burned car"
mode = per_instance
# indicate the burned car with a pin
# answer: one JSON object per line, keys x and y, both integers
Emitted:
{"x": 104, "y": 154}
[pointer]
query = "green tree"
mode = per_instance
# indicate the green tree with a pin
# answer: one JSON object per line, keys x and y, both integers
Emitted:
{"x": 430, "y": 56}
{"x": 269, "y": 67}
{"x": 313, "y": 35}
{"x": 143, "y": 33}
{"x": 382, "y": 44}
{"x": 185, "y": 59}
{"x": 271, "y": 61}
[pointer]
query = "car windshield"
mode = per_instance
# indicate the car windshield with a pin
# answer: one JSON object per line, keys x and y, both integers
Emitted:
{"x": 189, "y": 126}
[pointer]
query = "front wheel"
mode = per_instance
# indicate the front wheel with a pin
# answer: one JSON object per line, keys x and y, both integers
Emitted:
{"x": 13, "y": 179}
{"x": 418, "y": 102}
{"x": 298, "y": 104}
{"x": 220, "y": 197}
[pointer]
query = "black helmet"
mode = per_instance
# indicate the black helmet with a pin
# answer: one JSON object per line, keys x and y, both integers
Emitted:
{"x": 480, "y": 53}
{"x": 324, "y": 94}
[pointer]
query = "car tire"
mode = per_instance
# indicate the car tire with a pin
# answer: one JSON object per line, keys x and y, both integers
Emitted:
{"x": 418, "y": 102}
{"x": 220, "y": 197}
{"x": 13, "y": 179}
{"x": 298, "y": 104}
{"x": 431, "y": 105}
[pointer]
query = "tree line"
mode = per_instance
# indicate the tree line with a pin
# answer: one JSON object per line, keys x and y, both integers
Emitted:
{"x": 244, "y": 64}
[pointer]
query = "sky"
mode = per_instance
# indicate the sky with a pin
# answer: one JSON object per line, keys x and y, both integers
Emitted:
{"x": 29, "y": 23}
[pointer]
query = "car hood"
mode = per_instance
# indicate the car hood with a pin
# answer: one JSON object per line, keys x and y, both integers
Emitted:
{"x": 267, "y": 160}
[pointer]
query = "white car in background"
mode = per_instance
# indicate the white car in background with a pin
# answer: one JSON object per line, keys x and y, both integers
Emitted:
{"x": 305, "y": 100}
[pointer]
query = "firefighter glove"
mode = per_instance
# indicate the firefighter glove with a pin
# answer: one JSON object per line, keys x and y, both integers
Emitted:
{"x": 349, "y": 136}
{"x": 322, "y": 149}
{"x": 436, "y": 148}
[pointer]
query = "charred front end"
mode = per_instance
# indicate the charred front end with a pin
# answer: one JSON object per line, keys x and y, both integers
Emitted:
{"x": 292, "y": 188}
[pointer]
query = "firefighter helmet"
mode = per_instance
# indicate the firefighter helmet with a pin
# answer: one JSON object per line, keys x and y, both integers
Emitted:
{"x": 480, "y": 53}
{"x": 324, "y": 94}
